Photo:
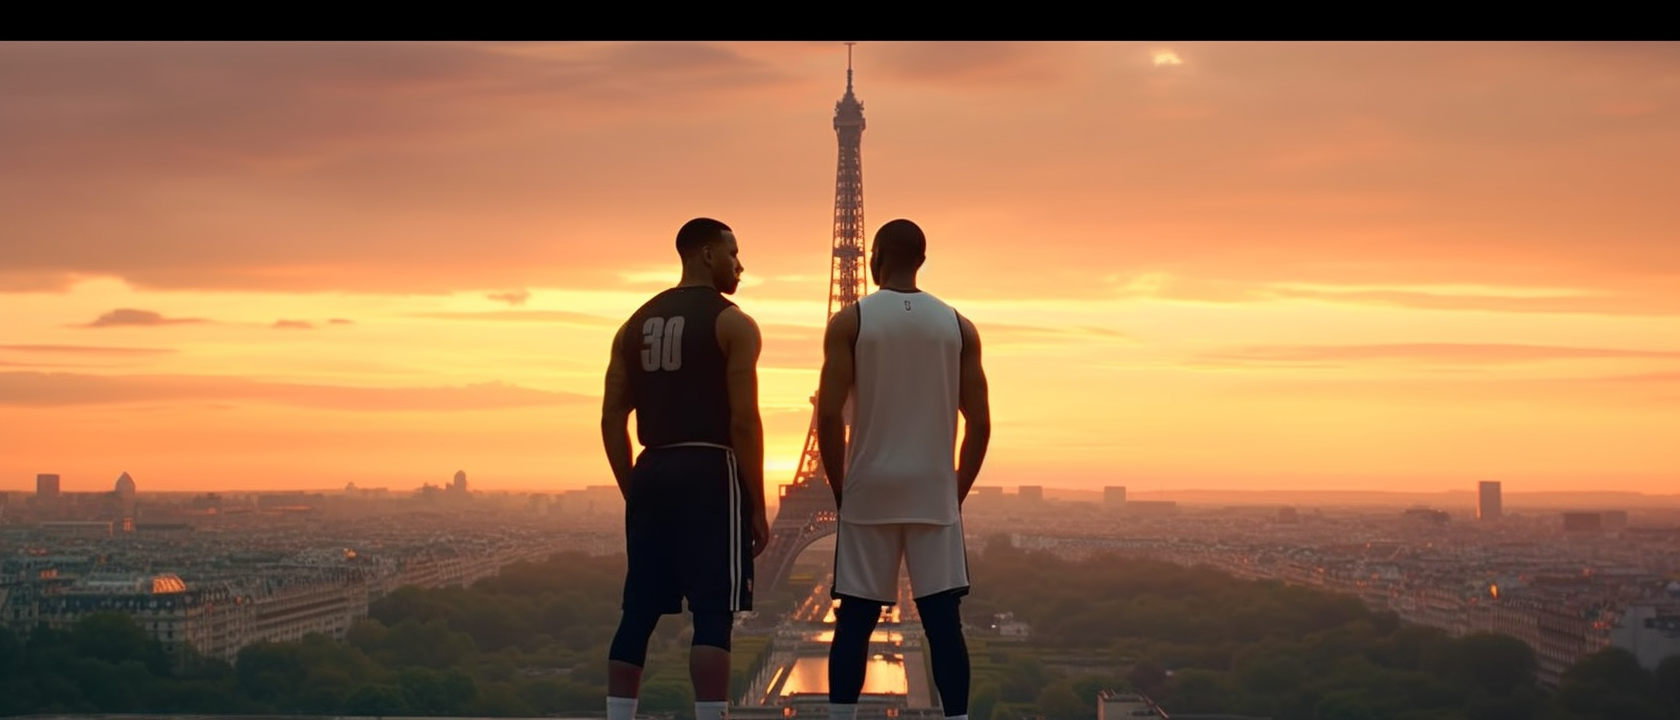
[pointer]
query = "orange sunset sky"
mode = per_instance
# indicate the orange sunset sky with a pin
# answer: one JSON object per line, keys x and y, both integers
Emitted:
{"x": 1194, "y": 265}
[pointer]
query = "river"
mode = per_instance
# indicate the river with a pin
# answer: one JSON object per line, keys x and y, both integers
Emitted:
{"x": 805, "y": 670}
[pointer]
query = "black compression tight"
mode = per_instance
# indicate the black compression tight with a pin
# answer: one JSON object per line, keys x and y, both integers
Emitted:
{"x": 848, "y": 653}
{"x": 854, "y": 623}
{"x": 635, "y": 629}
{"x": 630, "y": 643}
{"x": 942, "y": 621}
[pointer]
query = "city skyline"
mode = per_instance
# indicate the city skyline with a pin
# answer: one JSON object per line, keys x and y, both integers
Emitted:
{"x": 1218, "y": 266}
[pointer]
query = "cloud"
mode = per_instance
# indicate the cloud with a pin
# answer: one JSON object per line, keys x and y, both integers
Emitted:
{"x": 545, "y": 316}
{"x": 1461, "y": 392}
{"x": 1455, "y": 353}
{"x": 1611, "y": 302}
{"x": 515, "y": 298}
{"x": 340, "y": 321}
{"x": 1633, "y": 298}
{"x": 791, "y": 346}
{"x": 85, "y": 350}
{"x": 988, "y": 65}
{"x": 45, "y": 365}
{"x": 436, "y": 167}
{"x": 34, "y": 389}
{"x": 131, "y": 317}
{"x": 27, "y": 281}
{"x": 1007, "y": 332}
{"x": 292, "y": 325}
{"x": 349, "y": 141}
{"x": 281, "y": 106}
{"x": 1659, "y": 378}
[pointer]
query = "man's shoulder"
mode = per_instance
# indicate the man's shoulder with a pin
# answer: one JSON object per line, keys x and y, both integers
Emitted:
{"x": 846, "y": 320}
{"x": 733, "y": 314}
{"x": 939, "y": 301}
{"x": 735, "y": 325}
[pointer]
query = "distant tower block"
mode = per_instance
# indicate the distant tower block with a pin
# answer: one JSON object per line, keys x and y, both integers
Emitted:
{"x": 1489, "y": 501}
{"x": 125, "y": 492}
{"x": 460, "y": 484}
{"x": 1031, "y": 493}
{"x": 46, "y": 485}
{"x": 1114, "y": 497}
{"x": 805, "y": 509}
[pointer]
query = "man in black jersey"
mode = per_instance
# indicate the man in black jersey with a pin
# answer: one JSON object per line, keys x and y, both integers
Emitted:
{"x": 687, "y": 364}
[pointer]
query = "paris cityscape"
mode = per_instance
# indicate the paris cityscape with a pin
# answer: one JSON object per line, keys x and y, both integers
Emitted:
{"x": 226, "y": 573}
{"x": 1103, "y": 596}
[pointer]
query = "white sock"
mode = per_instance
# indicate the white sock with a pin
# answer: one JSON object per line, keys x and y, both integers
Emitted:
{"x": 713, "y": 710}
{"x": 621, "y": 708}
{"x": 837, "y": 711}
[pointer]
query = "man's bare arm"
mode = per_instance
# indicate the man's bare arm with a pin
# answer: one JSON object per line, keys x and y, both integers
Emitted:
{"x": 975, "y": 405}
{"x": 832, "y": 390}
{"x": 616, "y": 406}
{"x": 739, "y": 337}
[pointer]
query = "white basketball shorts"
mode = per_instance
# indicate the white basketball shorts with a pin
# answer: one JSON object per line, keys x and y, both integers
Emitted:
{"x": 867, "y": 559}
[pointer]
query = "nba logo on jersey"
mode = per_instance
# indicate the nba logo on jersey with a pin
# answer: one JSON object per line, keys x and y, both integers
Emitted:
{"x": 907, "y": 306}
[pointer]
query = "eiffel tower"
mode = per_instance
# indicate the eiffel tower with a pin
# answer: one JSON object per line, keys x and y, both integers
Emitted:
{"x": 805, "y": 508}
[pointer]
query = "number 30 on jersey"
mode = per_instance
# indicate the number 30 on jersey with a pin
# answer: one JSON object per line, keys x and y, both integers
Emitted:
{"x": 662, "y": 344}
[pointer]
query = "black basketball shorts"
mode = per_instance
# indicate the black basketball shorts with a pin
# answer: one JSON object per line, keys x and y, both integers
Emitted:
{"x": 688, "y": 532}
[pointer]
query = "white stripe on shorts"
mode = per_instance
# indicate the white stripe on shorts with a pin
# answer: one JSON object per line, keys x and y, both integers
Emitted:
{"x": 735, "y": 573}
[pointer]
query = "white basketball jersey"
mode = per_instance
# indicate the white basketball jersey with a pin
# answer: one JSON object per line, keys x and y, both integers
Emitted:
{"x": 901, "y": 457}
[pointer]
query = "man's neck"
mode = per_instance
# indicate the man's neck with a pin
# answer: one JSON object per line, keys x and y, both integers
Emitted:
{"x": 695, "y": 281}
{"x": 899, "y": 283}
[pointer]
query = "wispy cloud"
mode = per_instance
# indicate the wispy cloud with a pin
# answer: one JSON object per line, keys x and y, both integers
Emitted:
{"x": 34, "y": 389}
{"x": 128, "y": 317}
{"x": 1657, "y": 378}
{"x": 515, "y": 298}
{"x": 1610, "y": 302}
{"x": 1425, "y": 353}
{"x": 436, "y": 167}
{"x": 1008, "y": 332}
{"x": 986, "y": 65}
{"x": 85, "y": 350}
{"x": 293, "y": 325}
{"x": 1648, "y": 298}
{"x": 790, "y": 346}
{"x": 542, "y": 316}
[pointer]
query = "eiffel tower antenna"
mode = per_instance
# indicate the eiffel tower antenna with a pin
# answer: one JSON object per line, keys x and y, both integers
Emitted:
{"x": 805, "y": 508}
{"x": 849, "y": 67}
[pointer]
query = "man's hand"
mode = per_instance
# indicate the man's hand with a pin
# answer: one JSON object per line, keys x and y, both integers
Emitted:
{"x": 761, "y": 534}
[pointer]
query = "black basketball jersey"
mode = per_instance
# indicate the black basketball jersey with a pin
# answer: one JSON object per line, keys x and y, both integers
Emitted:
{"x": 678, "y": 374}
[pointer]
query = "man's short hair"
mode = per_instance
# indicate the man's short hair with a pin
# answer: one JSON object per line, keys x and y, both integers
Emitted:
{"x": 698, "y": 233}
{"x": 901, "y": 239}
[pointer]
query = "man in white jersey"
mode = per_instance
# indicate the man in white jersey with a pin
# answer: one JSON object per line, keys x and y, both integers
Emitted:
{"x": 908, "y": 364}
